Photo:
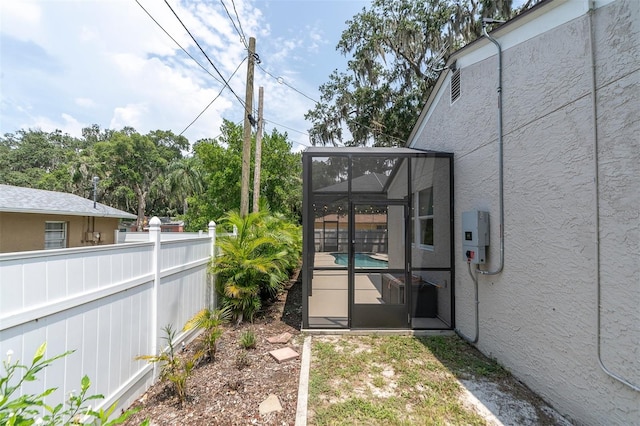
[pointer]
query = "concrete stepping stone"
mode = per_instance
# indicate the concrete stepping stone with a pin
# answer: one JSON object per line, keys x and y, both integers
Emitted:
{"x": 281, "y": 338}
{"x": 284, "y": 354}
{"x": 269, "y": 405}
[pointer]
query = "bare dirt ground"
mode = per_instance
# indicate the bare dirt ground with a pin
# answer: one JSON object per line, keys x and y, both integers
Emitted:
{"x": 229, "y": 390}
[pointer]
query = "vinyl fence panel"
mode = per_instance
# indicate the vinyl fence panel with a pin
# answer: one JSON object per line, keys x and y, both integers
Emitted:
{"x": 108, "y": 304}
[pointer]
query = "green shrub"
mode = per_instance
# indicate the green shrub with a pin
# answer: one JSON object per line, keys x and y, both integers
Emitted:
{"x": 256, "y": 262}
{"x": 28, "y": 409}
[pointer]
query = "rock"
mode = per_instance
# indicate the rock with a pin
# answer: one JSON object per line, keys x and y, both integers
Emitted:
{"x": 281, "y": 338}
{"x": 269, "y": 405}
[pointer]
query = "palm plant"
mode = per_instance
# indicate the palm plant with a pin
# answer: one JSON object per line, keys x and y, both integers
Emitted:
{"x": 210, "y": 321}
{"x": 173, "y": 368}
{"x": 253, "y": 264}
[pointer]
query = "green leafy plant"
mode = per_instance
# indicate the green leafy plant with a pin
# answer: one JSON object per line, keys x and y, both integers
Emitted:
{"x": 242, "y": 361}
{"x": 248, "y": 339}
{"x": 210, "y": 321}
{"x": 29, "y": 409}
{"x": 173, "y": 368}
{"x": 254, "y": 263}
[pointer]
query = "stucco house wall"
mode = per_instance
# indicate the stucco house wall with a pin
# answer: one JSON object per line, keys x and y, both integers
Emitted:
{"x": 24, "y": 213}
{"x": 539, "y": 317}
{"x": 25, "y": 231}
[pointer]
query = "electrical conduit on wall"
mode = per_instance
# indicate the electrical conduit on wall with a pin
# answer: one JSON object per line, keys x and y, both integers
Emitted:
{"x": 594, "y": 118}
{"x": 498, "y": 270}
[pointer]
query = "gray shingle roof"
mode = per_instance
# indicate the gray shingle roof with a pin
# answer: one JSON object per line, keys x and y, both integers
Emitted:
{"x": 28, "y": 200}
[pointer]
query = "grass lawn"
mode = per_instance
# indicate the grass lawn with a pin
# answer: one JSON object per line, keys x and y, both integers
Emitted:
{"x": 393, "y": 380}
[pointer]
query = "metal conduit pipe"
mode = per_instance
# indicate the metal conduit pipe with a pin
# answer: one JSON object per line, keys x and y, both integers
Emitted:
{"x": 477, "y": 302}
{"x": 486, "y": 21}
{"x": 594, "y": 118}
{"x": 496, "y": 271}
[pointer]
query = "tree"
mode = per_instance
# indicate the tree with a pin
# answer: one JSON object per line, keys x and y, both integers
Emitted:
{"x": 129, "y": 164}
{"x": 221, "y": 161}
{"x": 37, "y": 159}
{"x": 184, "y": 180}
{"x": 397, "y": 50}
{"x": 281, "y": 176}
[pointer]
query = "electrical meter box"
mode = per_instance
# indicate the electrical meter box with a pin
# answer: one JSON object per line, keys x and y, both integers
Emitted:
{"x": 475, "y": 236}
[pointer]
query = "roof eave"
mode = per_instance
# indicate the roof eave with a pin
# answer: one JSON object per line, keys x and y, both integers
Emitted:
{"x": 68, "y": 213}
{"x": 508, "y": 26}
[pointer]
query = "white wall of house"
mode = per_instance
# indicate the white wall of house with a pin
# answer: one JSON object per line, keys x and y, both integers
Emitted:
{"x": 539, "y": 317}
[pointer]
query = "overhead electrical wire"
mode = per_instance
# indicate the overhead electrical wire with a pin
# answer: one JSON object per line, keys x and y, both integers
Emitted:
{"x": 282, "y": 81}
{"x": 243, "y": 39}
{"x": 224, "y": 81}
{"x": 205, "y": 54}
{"x": 214, "y": 99}
{"x": 178, "y": 44}
{"x": 282, "y": 125}
{"x": 239, "y": 23}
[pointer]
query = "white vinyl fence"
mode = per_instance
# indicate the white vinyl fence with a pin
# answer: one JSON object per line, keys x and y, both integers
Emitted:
{"x": 107, "y": 303}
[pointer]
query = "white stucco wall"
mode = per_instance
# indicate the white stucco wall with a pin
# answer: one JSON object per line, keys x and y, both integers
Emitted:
{"x": 539, "y": 316}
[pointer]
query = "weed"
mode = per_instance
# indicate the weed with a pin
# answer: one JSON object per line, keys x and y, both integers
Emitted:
{"x": 242, "y": 361}
{"x": 378, "y": 382}
{"x": 248, "y": 339}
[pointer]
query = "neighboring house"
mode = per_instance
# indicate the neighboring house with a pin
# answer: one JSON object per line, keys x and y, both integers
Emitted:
{"x": 34, "y": 219}
{"x": 169, "y": 225}
{"x": 563, "y": 313}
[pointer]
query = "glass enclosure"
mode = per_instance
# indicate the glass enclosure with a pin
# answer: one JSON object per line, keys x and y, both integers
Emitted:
{"x": 375, "y": 219}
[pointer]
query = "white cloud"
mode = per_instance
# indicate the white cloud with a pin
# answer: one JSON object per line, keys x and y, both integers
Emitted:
{"x": 110, "y": 64}
{"x": 85, "y": 102}
{"x": 20, "y": 18}
{"x": 127, "y": 116}
{"x": 67, "y": 124}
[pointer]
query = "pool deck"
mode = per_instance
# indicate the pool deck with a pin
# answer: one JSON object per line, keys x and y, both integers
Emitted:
{"x": 329, "y": 303}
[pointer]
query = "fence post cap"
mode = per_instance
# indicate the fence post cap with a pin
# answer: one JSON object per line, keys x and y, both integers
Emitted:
{"x": 212, "y": 224}
{"x": 155, "y": 221}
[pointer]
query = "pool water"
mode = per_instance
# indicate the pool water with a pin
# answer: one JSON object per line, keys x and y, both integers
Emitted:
{"x": 362, "y": 260}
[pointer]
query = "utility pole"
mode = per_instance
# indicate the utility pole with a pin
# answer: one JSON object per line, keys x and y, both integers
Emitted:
{"x": 256, "y": 172}
{"x": 246, "y": 144}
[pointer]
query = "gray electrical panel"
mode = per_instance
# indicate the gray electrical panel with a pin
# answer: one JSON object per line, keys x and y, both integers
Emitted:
{"x": 475, "y": 236}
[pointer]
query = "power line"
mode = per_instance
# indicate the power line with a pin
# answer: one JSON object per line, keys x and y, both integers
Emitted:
{"x": 289, "y": 128}
{"x": 282, "y": 81}
{"x": 240, "y": 33}
{"x": 214, "y": 99}
{"x": 244, "y": 38}
{"x": 204, "y": 53}
{"x": 178, "y": 44}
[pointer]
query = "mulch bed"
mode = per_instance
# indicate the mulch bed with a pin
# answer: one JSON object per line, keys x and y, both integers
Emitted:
{"x": 229, "y": 390}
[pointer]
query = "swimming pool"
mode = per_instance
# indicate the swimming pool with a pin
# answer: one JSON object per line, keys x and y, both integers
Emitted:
{"x": 362, "y": 260}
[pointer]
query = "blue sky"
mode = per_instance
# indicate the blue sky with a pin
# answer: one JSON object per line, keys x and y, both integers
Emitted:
{"x": 67, "y": 64}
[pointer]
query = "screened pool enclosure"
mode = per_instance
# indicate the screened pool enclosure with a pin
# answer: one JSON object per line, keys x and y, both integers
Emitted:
{"x": 378, "y": 249}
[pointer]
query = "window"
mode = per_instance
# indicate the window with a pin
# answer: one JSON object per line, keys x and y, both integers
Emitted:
{"x": 424, "y": 223}
{"x": 55, "y": 235}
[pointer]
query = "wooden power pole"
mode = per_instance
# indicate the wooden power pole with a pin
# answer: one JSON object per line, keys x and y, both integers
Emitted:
{"x": 256, "y": 172}
{"x": 246, "y": 144}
